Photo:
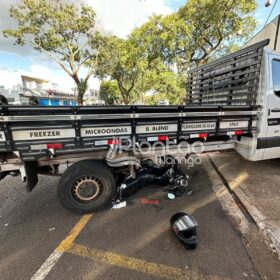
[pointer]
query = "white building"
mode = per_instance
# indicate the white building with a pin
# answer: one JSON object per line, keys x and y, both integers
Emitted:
{"x": 21, "y": 86}
{"x": 14, "y": 84}
{"x": 270, "y": 31}
{"x": 92, "y": 97}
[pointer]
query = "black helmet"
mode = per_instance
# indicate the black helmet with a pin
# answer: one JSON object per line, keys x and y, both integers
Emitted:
{"x": 184, "y": 227}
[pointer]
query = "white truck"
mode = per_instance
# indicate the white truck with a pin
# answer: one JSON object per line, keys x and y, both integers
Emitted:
{"x": 110, "y": 152}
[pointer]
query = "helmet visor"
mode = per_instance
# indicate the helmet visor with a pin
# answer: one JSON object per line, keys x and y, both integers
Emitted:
{"x": 186, "y": 222}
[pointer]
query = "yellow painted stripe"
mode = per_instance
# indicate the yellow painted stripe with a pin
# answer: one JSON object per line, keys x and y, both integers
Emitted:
{"x": 159, "y": 270}
{"x": 66, "y": 244}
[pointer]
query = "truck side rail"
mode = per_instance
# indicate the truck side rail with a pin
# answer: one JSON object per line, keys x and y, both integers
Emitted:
{"x": 36, "y": 132}
{"x": 230, "y": 80}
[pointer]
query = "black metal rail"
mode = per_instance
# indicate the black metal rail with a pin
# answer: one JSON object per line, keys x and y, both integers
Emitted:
{"x": 230, "y": 80}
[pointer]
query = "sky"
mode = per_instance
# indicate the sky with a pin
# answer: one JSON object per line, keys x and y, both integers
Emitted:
{"x": 116, "y": 16}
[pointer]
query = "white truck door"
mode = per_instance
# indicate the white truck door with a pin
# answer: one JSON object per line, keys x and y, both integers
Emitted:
{"x": 272, "y": 145}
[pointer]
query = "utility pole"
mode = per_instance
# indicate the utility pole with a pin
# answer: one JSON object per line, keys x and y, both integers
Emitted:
{"x": 277, "y": 33}
{"x": 267, "y": 4}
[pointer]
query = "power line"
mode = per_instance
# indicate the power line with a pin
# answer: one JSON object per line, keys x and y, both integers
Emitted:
{"x": 270, "y": 13}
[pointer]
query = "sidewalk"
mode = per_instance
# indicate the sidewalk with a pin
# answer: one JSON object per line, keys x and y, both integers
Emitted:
{"x": 257, "y": 185}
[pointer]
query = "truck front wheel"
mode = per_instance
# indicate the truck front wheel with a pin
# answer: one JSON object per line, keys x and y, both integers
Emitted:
{"x": 86, "y": 186}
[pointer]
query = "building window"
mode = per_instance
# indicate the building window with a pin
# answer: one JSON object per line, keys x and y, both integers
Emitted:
{"x": 276, "y": 76}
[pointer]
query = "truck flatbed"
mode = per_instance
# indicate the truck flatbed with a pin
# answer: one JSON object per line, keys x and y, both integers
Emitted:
{"x": 31, "y": 132}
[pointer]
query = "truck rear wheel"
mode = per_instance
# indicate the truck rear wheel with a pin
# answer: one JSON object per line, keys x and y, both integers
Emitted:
{"x": 86, "y": 186}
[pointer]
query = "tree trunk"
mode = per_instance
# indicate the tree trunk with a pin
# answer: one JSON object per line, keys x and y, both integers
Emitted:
{"x": 80, "y": 97}
{"x": 125, "y": 94}
{"x": 125, "y": 98}
{"x": 82, "y": 88}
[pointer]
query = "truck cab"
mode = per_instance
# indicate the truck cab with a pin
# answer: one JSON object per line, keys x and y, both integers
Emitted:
{"x": 266, "y": 142}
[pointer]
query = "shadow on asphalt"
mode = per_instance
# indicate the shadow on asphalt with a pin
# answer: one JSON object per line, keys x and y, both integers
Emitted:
{"x": 143, "y": 232}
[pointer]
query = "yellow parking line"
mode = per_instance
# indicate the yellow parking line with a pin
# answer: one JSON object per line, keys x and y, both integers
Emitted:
{"x": 155, "y": 269}
{"x": 64, "y": 245}
{"x": 68, "y": 241}
{"x": 159, "y": 270}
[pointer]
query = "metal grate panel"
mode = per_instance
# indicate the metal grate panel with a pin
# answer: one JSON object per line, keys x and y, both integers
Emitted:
{"x": 230, "y": 80}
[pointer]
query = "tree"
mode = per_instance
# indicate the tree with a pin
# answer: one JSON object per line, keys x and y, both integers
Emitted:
{"x": 161, "y": 83}
{"x": 109, "y": 92}
{"x": 199, "y": 31}
{"x": 170, "y": 86}
{"x": 157, "y": 39}
{"x": 135, "y": 73}
{"x": 63, "y": 32}
{"x": 123, "y": 61}
{"x": 213, "y": 22}
{"x": 199, "y": 28}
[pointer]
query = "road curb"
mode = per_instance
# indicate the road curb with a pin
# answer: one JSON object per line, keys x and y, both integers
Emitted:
{"x": 225, "y": 198}
{"x": 270, "y": 228}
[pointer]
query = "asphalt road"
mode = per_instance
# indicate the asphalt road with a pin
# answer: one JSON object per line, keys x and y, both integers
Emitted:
{"x": 134, "y": 242}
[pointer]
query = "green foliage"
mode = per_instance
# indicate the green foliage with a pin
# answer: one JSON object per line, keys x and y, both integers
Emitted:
{"x": 224, "y": 49}
{"x": 171, "y": 86}
{"x": 162, "y": 84}
{"x": 156, "y": 37}
{"x": 198, "y": 29}
{"x": 212, "y": 22}
{"x": 201, "y": 30}
{"x": 109, "y": 92}
{"x": 122, "y": 61}
{"x": 127, "y": 64}
{"x": 62, "y": 31}
{"x": 155, "y": 57}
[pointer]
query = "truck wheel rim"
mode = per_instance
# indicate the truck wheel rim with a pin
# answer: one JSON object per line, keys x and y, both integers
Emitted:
{"x": 87, "y": 189}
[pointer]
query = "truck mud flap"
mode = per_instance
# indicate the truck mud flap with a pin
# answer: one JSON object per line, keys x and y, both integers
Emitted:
{"x": 31, "y": 175}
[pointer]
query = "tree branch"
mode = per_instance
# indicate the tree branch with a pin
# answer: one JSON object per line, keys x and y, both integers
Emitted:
{"x": 54, "y": 58}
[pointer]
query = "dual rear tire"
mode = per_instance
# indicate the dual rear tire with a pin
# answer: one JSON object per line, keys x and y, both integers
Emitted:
{"x": 86, "y": 186}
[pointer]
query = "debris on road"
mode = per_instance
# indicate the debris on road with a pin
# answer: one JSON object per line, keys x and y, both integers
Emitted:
{"x": 149, "y": 201}
{"x": 171, "y": 196}
{"x": 190, "y": 192}
{"x": 51, "y": 229}
{"x": 119, "y": 205}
